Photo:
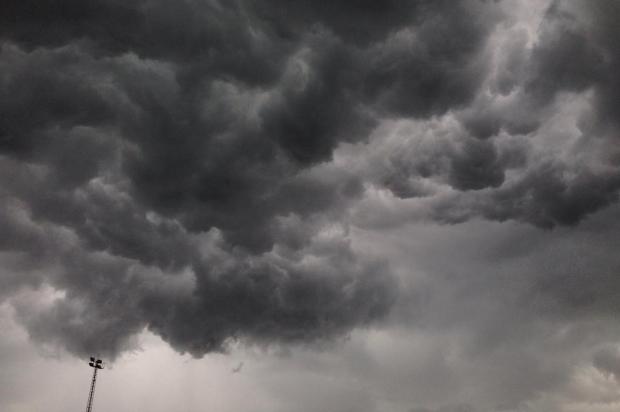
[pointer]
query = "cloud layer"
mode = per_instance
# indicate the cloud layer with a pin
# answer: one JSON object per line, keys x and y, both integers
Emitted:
{"x": 195, "y": 167}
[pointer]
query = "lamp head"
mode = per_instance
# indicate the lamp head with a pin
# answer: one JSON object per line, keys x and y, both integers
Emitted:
{"x": 95, "y": 363}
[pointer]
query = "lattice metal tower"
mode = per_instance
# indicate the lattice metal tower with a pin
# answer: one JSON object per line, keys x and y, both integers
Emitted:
{"x": 96, "y": 364}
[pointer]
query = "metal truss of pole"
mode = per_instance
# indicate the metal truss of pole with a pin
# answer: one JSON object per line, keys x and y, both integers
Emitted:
{"x": 91, "y": 395}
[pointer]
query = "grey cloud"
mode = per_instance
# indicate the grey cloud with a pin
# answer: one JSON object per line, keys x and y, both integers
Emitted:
{"x": 315, "y": 293}
{"x": 432, "y": 67}
{"x": 512, "y": 155}
{"x": 198, "y": 170}
{"x": 564, "y": 59}
{"x": 355, "y": 21}
{"x": 467, "y": 164}
{"x": 477, "y": 167}
{"x": 500, "y": 315}
{"x": 447, "y": 408}
{"x": 608, "y": 361}
{"x": 315, "y": 107}
{"x": 138, "y": 127}
{"x": 546, "y": 198}
{"x": 132, "y": 132}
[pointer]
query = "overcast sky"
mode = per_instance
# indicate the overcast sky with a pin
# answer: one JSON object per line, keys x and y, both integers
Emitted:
{"x": 310, "y": 206}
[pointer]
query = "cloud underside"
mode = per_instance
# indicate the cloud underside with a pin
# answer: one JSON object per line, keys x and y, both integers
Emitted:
{"x": 195, "y": 168}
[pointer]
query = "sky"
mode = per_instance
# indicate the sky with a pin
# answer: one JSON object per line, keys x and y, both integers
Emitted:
{"x": 300, "y": 206}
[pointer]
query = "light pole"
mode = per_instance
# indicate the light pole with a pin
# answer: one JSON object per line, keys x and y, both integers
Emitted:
{"x": 95, "y": 364}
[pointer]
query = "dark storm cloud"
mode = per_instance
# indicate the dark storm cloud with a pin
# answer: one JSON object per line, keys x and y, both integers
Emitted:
{"x": 173, "y": 163}
{"x": 433, "y": 67}
{"x": 460, "y": 161}
{"x": 535, "y": 140}
{"x": 574, "y": 54}
{"x": 448, "y": 408}
{"x": 313, "y": 293}
{"x": 608, "y": 361}
{"x": 133, "y": 131}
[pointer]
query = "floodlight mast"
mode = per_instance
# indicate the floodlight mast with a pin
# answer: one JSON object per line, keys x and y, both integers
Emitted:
{"x": 95, "y": 364}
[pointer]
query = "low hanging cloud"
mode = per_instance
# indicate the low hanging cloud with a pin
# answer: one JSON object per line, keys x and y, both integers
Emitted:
{"x": 194, "y": 167}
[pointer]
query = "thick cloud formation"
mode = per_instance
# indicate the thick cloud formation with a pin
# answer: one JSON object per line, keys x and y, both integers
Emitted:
{"x": 194, "y": 167}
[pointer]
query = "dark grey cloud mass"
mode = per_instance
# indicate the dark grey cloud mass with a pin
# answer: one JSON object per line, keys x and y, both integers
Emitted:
{"x": 195, "y": 167}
